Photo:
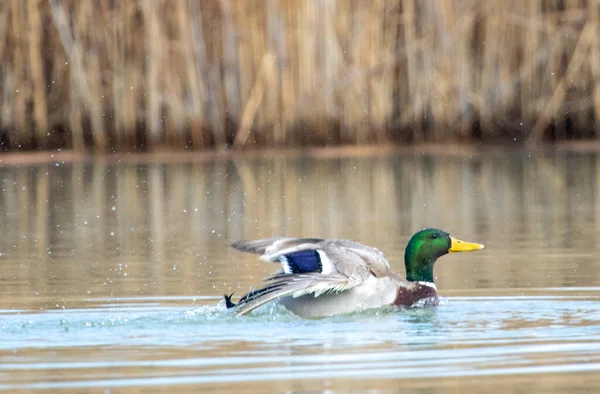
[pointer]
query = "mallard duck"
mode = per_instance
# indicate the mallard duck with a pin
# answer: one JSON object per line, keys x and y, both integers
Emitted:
{"x": 323, "y": 277}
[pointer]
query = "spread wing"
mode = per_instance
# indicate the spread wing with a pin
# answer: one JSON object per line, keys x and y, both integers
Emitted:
{"x": 311, "y": 266}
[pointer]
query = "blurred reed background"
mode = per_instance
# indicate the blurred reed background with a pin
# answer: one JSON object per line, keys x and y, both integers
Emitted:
{"x": 183, "y": 74}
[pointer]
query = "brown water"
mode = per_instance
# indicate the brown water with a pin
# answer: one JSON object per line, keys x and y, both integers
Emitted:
{"x": 111, "y": 274}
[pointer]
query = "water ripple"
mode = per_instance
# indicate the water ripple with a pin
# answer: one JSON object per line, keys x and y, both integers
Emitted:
{"x": 465, "y": 336}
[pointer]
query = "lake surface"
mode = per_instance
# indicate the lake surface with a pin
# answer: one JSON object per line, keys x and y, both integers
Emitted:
{"x": 112, "y": 273}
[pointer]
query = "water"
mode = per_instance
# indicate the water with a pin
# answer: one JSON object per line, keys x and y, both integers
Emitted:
{"x": 112, "y": 273}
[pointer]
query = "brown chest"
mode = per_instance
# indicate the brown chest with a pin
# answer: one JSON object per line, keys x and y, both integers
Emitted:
{"x": 409, "y": 296}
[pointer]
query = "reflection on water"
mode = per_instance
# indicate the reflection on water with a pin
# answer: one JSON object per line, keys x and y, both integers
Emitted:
{"x": 111, "y": 273}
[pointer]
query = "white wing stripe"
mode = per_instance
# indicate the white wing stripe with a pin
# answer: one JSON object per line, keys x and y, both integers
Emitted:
{"x": 285, "y": 265}
{"x": 327, "y": 266}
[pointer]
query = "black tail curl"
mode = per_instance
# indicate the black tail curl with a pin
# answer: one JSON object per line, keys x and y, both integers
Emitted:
{"x": 228, "y": 303}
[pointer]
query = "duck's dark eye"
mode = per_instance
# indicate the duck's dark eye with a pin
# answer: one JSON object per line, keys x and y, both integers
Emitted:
{"x": 433, "y": 236}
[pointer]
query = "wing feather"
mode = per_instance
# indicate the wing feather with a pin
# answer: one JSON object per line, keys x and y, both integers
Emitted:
{"x": 346, "y": 264}
{"x": 295, "y": 285}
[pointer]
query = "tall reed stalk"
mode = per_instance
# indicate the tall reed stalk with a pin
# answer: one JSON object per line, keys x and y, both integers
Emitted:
{"x": 191, "y": 74}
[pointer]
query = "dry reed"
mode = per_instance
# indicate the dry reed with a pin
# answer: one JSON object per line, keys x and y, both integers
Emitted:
{"x": 190, "y": 74}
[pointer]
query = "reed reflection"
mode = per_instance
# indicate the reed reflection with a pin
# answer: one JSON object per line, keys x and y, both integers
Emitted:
{"x": 74, "y": 230}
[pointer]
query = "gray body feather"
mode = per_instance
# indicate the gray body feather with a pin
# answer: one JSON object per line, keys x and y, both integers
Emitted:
{"x": 352, "y": 277}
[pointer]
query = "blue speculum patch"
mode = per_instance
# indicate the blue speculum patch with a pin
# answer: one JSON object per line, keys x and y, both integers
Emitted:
{"x": 303, "y": 261}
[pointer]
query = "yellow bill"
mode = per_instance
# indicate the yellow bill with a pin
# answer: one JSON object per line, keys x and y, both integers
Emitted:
{"x": 457, "y": 245}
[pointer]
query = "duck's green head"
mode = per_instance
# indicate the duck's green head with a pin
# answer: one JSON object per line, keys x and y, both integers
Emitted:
{"x": 425, "y": 247}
